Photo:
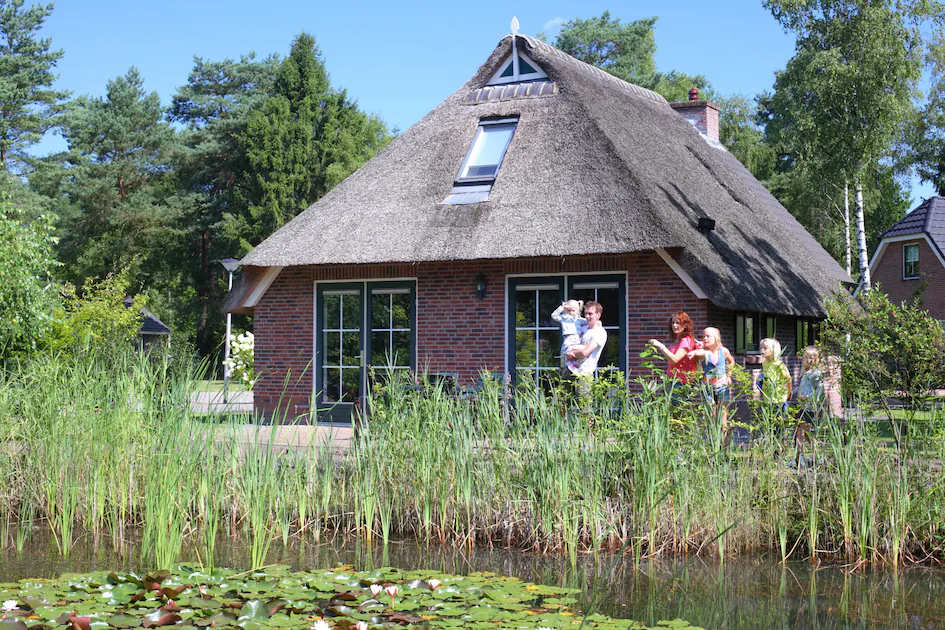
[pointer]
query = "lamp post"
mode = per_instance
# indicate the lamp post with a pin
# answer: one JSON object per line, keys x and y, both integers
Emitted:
{"x": 231, "y": 265}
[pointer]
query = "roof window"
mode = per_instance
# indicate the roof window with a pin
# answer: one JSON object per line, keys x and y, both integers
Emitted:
{"x": 528, "y": 70}
{"x": 482, "y": 162}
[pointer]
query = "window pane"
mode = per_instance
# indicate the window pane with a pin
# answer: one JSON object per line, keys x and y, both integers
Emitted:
{"x": 350, "y": 385}
{"x": 524, "y": 349}
{"x": 332, "y": 311}
{"x": 524, "y": 67}
{"x": 610, "y": 355}
{"x": 380, "y": 310}
{"x": 488, "y": 148}
{"x": 332, "y": 348}
{"x": 402, "y": 341}
{"x": 332, "y": 384}
{"x": 548, "y": 301}
{"x": 549, "y": 348}
{"x": 401, "y": 310}
{"x": 380, "y": 349}
{"x": 351, "y": 349}
{"x": 750, "y": 333}
{"x": 524, "y": 308}
{"x": 351, "y": 311}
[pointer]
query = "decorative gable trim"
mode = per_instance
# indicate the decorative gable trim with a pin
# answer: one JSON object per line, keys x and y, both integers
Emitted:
{"x": 679, "y": 271}
{"x": 264, "y": 283}
{"x": 528, "y": 71}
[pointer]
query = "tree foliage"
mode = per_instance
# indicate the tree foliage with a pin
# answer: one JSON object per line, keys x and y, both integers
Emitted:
{"x": 304, "y": 140}
{"x": 112, "y": 188}
{"x": 885, "y": 349}
{"x": 26, "y": 292}
{"x": 28, "y": 105}
{"x": 626, "y": 50}
{"x": 96, "y": 319}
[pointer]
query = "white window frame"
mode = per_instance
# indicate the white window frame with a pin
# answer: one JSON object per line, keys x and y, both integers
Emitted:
{"x": 513, "y": 121}
{"x": 498, "y": 79}
{"x": 905, "y": 261}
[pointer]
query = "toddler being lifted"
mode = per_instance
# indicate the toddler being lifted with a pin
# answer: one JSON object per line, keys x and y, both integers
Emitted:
{"x": 573, "y": 326}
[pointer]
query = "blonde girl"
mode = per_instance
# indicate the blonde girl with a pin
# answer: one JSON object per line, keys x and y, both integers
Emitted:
{"x": 776, "y": 379}
{"x": 715, "y": 359}
{"x": 810, "y": 388}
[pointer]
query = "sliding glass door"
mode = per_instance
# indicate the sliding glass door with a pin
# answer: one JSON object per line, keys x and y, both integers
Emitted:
{"x": 360, "y": 326}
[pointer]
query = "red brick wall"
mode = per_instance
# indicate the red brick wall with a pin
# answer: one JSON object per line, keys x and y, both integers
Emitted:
{"x": 456, "y": 332}
{"x": 888, "y": 275}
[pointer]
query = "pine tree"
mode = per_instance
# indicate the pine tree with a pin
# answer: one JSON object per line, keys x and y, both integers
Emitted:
{"x": 29, "y": 107}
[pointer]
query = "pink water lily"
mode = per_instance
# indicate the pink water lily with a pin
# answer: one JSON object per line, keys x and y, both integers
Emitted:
{"x": 392, "y": 591}
{"x": 376, "y": 589}
{"x": 361, "y": 625}
{"x": 434, "y": 584}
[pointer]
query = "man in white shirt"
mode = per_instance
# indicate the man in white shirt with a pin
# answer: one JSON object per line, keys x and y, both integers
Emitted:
{"x": 593, "y": 339}
{"x": 588, "y": 354}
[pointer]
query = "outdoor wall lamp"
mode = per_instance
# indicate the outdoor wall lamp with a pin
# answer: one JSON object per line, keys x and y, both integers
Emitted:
{"x": 481, "y": 286}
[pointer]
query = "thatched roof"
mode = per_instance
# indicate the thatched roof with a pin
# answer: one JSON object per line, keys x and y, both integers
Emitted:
{"x": 596, "y": 166}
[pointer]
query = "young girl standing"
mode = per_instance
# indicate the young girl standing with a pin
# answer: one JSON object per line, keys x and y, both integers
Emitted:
{"x": 776, "y": 379}
{"x": 573, "y": 326}
{"x": 715, "y": 359}
{"x": 810, "y": 396}
{"x": 810, "y": 389}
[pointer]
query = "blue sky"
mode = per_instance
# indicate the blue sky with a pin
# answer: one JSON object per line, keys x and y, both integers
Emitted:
{"x": 397, "y": 60}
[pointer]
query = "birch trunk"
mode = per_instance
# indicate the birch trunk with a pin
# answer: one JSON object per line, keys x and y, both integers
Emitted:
{"x": 861, "y": 236}
{"x": 846, "y": 227}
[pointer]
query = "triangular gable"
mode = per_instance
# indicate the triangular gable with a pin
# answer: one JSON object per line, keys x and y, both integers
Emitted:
{"x": 528, "y": 70}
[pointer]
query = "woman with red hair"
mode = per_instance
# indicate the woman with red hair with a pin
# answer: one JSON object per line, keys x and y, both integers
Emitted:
{"x": 680, "y": 367}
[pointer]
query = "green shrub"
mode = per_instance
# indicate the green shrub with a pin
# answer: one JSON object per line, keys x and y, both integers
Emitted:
{"x": 885, "y": 349}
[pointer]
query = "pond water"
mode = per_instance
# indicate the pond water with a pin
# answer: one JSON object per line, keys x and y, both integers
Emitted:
{"x": 745, "y": 592}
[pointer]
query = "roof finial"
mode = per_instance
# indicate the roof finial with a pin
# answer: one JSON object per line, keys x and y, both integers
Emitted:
{"x": 514, "y": 49}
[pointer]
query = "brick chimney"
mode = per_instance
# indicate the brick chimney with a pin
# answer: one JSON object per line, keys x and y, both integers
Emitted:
{"x": 703, "y": 115}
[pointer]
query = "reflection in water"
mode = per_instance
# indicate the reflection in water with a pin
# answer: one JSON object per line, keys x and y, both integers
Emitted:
{"x": 742, "y": 593}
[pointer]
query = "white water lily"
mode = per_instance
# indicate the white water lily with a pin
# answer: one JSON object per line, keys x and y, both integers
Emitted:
{"x": 321, "y": 625}
{"x": 376, "y": 589}
{"x": 434, "y": 584}
{"x": 9, "y": 605}
{"x": 361, "y": 625}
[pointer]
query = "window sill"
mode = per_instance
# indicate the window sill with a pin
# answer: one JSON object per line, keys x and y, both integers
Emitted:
{"x": 912, "y": 278}
{"x": 753, "y": 358}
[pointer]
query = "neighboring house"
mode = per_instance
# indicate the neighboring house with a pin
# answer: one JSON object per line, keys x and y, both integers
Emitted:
{"x": 542, "y": 178}
{"x": 153, "y": 331}
{"x": 908, "y": 262}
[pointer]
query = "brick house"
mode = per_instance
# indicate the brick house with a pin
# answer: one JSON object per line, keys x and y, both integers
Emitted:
{"x": 542, "y": 178}
{"x": 908, "y": 261}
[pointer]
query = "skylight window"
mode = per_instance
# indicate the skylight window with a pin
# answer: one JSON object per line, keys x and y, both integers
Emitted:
{"x": 528, "y": 70}
{"x": 487, "y": 150}
{"x": 479, "y": 169}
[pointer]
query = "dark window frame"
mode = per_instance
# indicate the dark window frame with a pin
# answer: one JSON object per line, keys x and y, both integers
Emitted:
{"x": 338, "y": 411}
{"x": 566, "y": 288}
{"x": 741, "y": 344}
{"x": 806, "y": 333}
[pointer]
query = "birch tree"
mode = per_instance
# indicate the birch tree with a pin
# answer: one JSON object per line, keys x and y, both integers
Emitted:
{"x": 850, "y": 87}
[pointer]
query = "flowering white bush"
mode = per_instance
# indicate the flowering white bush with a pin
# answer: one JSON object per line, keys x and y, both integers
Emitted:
{"x": 240, "y": 363}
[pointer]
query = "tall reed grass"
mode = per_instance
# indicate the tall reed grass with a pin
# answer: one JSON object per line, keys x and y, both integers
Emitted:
{"x": 113, "y": 449}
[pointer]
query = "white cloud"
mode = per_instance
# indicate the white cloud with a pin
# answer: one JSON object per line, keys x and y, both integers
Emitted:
{"x": 553, "y": 24}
